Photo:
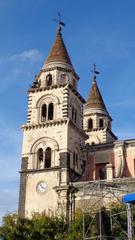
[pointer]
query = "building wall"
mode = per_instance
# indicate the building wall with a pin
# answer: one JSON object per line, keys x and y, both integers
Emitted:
{"x": 120, "y": 154}
{"x": 92, "y": 195}
{"x": 64, "y": 136}
{"x": 37, "y": 202}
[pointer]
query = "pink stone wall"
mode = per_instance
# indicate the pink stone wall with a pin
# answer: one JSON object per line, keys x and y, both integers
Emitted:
{"x": 129, "y": 170}
{"x": 92, "y": 168}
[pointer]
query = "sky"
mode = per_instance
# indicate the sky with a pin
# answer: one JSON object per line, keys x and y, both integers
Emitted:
{"x": 101, "y": 32}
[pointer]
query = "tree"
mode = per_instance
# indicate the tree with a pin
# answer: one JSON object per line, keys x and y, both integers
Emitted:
{"x": 39, "y": 227}
{"x": 81, "y": 225}
{"x": 54, "y": 228}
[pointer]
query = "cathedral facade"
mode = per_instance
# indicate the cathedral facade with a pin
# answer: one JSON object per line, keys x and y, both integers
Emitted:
{"x": 66, "y": 139}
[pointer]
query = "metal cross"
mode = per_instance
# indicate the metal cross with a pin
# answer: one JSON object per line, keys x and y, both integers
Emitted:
{"x": 94, "y": 69}
{"x": 60, "y": 23}
{"x": 95, "y": 72}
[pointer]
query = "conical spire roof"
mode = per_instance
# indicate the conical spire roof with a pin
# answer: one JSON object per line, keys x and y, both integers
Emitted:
{"x": 58, "y": 52}
{"x": 95, "y": 99}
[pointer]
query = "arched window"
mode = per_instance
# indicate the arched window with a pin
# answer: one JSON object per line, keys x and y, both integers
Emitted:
{"x": 40, "y": 158}
{"x": 44, "y": 113}
{"x": 50, "y": 111}
{"x": 101, "y": 122}
{"x": 90, "y": 124}
{"x": 48, "y": 158}
{"x": 48, "y": 80}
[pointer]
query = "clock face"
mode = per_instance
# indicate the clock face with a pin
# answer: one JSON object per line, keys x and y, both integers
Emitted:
{"x": 41, "y": 187}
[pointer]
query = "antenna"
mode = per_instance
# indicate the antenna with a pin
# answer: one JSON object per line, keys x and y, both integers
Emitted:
{"x": 59, "y": 21}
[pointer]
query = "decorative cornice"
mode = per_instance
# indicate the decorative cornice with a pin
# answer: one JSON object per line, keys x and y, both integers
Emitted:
{"x": 40, "y": 89}
{"x": 48, "y": 69}
{"x": 53, "y": 123}
{"x": 115, "y": 184}
{"x": 44, "y": 124}
{"x": 130, "y": 142}
{"x": 99, "y": 147}
{"x": 41, "y": 170}
{"x": 102, "y": 129}
{"x": 98, "y": 114}
{"x": 61, "y": 188}
{"x": 95, "y": 129}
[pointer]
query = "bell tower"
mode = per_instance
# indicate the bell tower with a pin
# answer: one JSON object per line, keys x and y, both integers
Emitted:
{"x": 52, "y": 137}
{"x": 97, "y": 121}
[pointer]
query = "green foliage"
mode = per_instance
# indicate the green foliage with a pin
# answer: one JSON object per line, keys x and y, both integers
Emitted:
{"x": 39, "y": 227}
{"x": 119, "y": 222}
{"x": 15, "y": 228}
{"x": 53, "y": 228}
{"x": 77, "y": 228}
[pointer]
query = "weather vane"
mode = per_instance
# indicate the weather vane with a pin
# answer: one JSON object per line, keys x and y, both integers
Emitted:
{"x": 95, "y": 72}
{"x": 60, "y": 23}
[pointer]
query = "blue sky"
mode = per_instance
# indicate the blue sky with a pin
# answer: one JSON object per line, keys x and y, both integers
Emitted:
{"x": 101, "y": 32}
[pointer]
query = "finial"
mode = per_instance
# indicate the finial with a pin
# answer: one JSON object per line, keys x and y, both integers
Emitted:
{"x": 60, "y": 23}
{"x": 95, "y": 72}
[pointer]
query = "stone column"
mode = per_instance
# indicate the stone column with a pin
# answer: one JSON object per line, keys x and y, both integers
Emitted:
{"x": 109, "y": 172}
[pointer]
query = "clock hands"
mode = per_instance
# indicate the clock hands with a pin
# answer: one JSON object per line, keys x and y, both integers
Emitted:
{"x": 43, "y": 185}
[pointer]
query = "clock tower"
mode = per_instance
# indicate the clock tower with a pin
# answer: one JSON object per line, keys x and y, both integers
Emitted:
{"x": 52, "y": 137}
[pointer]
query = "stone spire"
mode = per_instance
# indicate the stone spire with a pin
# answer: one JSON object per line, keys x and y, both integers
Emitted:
{"x": 95, "y": 99}
{"x": 58, "y": 52}
{"x": 97, "y": 121}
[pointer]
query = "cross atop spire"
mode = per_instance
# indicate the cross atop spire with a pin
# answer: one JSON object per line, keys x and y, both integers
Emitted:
{"x": 95, "y": 72}
{"x": 60, "y": 22}
{"x": 95, "y": 99}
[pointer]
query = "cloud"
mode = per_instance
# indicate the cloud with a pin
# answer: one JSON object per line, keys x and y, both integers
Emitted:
{"x": 31, "y": 55}
{"x": 28, "y": 55}
{"x": 20, "y": 66}
{"x": 124, "y": 103}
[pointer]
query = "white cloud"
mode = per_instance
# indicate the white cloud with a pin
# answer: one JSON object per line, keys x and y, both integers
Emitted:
{"x": 31, "y": 55}
{"x": 123, "y": 103}
{"x": 20, "y": 66}
{"x": 28, "y": 55}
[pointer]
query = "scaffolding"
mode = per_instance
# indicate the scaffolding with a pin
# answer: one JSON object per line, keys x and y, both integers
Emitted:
{"x": 102, "y": 190}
